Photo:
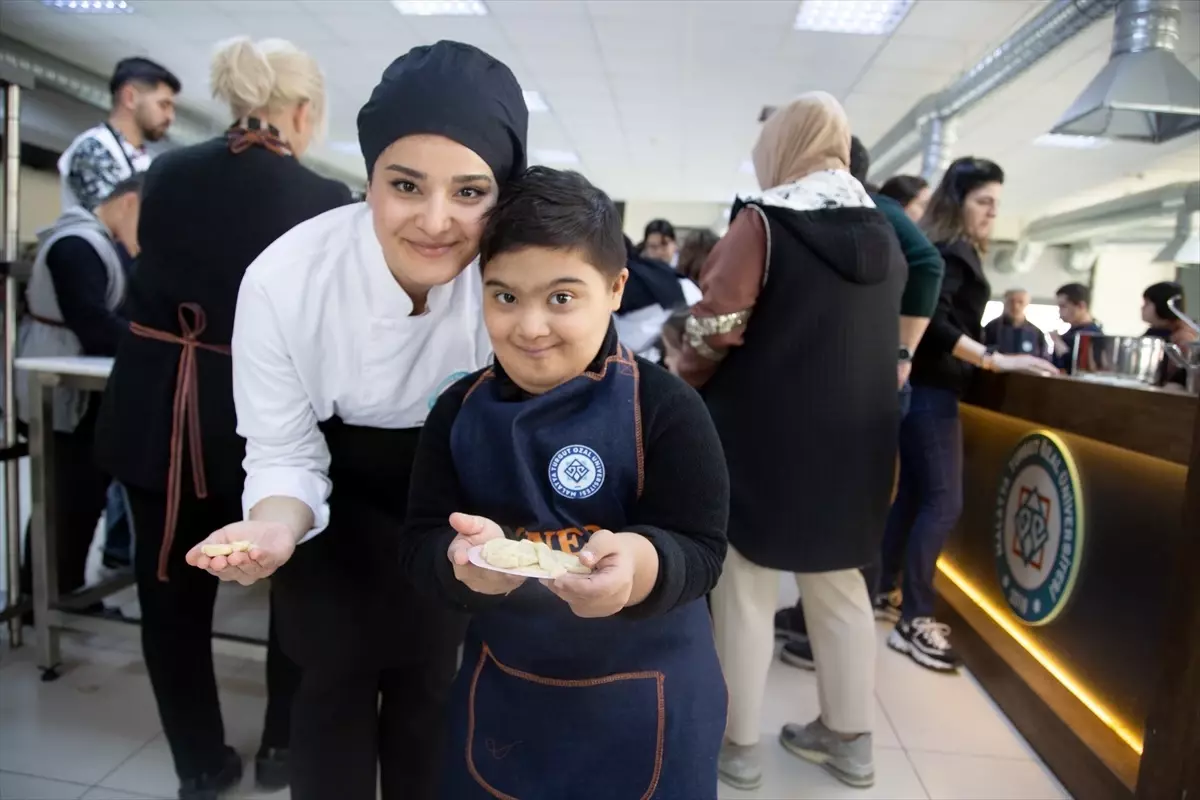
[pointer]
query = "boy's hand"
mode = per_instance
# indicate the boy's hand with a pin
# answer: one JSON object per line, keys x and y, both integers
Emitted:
{"x": 624, "y": 570}
{"x": 472, "y": 532}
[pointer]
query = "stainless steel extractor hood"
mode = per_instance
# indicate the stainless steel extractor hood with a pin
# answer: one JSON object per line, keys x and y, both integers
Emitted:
{"x": 1143, "y": 93}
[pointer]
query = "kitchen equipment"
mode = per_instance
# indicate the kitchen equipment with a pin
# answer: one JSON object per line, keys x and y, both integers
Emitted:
{"x": 1187, "y": 354}
{"x": 1133, "y": 361}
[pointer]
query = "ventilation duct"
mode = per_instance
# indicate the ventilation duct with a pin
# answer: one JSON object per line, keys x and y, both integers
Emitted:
{"x": 1115, "y": 219}
{"x": 1143, "y": 93}
{"x": 1184, "y": 247}
{"x": 1059, "y": 22}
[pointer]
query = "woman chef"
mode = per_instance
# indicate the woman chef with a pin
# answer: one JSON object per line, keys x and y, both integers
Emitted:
{"x": 347, "y": 328}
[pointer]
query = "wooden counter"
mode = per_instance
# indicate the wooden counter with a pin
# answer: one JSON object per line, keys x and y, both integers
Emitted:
{"x": 1108, "y": 469}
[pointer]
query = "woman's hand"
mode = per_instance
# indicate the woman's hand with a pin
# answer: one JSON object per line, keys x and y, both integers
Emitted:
{"x": 472, "y": 532}
{"x": 1031, "y": 365}
{"x": 271, "y": 545}
{"x": 624, "y": 570}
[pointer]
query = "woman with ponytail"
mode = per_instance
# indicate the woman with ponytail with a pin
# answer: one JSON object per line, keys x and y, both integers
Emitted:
{"x": 208, "y": 211}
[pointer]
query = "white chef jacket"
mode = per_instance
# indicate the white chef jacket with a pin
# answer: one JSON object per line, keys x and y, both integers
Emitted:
{"x": 323, "y": 329}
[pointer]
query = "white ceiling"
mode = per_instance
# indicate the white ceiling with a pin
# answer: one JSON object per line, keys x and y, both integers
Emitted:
{"x": 660, "y": 98}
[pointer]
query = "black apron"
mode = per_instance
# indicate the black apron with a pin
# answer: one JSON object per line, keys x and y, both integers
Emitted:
{"x": 341, "y": 601}
{"x": 549, "y": 705}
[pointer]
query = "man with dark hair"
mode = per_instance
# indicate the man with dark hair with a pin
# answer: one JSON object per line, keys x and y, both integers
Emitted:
{"x": 143, "y": 108}
{"x": 74, "y": 297}
{"x": 1074, "y": 307}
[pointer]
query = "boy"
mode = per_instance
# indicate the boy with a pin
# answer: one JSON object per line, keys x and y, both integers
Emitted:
{"x": 571, "y": 440}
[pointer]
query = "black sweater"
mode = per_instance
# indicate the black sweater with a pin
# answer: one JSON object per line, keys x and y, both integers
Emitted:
{"x": 963, "y": 299}
{"x": 683, "y": 509}
{"x": 80, "y": 280}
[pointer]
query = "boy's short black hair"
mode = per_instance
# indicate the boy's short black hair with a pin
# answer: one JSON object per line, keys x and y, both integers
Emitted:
{"x": 143, "y": 71}
{"x": 555, "y": 210}
{"x": 661, "y": 227}
{"x": 131, "y": 185}
{"x": 1076, "y": 294}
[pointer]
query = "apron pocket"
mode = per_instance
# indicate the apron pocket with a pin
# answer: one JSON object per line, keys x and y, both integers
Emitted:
{"x": 531, "y": 737}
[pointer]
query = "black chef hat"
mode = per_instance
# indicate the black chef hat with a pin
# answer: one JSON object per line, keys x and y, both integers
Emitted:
{"x": 453, "y": 90}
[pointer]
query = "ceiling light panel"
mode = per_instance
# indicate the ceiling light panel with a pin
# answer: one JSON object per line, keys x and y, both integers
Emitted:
{"x": 1070, "y": 141}
{"x": 866, "y": 17}
{"x": 441, "y": 8}
{"x": 555, "y": 156}
{"x": 534, "y": 101}
{"x": 90, "y": 6}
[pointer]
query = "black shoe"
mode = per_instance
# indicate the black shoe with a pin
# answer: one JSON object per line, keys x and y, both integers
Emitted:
{"x": 798, "y": 653}
{"x": 927, "y": 642}
{"x": 271, "y": 770}
{"x": 887, "y": 606}
{"x": 209, "y": 785}
{"x": 789, "y": 624}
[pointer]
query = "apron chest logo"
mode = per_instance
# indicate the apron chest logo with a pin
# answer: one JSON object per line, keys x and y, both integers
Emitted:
{"x": 576, "y": 472}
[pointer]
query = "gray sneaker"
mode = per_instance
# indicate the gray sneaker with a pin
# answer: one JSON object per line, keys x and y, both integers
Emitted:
{"x": 850, "y": 761}
{"x": 738, "y": 766}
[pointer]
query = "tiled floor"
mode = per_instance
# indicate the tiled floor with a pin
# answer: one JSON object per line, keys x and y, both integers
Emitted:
{"x": 94, "y": 734}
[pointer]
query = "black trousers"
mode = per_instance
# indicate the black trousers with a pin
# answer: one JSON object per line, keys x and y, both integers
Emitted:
{"x": 351, "y": 727}
{"x": 80, "y": 493}
{"x": 177, "y": 621}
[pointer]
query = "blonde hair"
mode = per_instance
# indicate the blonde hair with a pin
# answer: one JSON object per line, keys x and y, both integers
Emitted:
{"x": 268, "y": 75}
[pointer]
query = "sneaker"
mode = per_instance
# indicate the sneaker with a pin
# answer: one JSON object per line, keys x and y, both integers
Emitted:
{"x": 271, "y": 771}
{"x": 850, "y": 761}
{"x": 798, "y": 653}
{"x": 210, "y": 785}
{"x": 738, "y": 766}
{"x": 786, "y": 627}
{"x": 887, "y": 606}
{"x": 926, "y": 641}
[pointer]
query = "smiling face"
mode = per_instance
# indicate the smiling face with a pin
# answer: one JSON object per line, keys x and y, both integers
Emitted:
{"x": 547, "y": 312}
{"x": 428, "y": 196}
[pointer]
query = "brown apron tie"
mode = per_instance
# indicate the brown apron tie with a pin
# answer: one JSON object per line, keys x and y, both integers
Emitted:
{"x": 46, "y": 321}
{"x": 186, "y": 412}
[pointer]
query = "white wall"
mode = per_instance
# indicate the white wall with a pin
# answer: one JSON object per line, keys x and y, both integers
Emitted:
{"x": 690, "y": 215}
{"x": 1122, "y": 274}
{"x": 1041, "y": 282}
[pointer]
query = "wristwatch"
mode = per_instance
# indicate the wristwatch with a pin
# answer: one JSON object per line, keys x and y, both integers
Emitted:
{"x": 905, "y": 354}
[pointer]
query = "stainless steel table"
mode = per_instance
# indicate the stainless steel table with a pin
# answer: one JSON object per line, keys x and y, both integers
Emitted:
{"x": 53, "y": 612}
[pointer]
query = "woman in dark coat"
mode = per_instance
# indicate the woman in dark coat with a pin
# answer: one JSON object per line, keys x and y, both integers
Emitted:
{"x": 171, "y": 386}
{"x": 959, "y": 223}
{"x": 795, "y": 345}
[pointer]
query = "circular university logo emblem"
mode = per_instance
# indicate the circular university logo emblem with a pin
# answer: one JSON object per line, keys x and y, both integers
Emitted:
{"x": 576, "y": 472}
{"x": 1038, "y": 528}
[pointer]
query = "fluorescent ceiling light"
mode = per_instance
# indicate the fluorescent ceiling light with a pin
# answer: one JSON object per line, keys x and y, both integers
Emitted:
{"x": 869, "y": 17}
{"x": 90, "y": 6}
{"x": 441, "y": 8}
{"x": 534, "y": 101}
{"x": 555, "y": 157}
{"x": 1071, "y": 141}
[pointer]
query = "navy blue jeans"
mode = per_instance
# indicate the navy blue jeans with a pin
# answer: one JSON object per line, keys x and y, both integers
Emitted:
{"x": 929, "y": 500}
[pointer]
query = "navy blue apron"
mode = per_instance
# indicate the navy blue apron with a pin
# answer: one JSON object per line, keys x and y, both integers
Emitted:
{"x": 549, "y": 705}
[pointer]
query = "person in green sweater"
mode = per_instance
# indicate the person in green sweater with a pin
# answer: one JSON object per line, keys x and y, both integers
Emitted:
{"x": 925, "y": 269}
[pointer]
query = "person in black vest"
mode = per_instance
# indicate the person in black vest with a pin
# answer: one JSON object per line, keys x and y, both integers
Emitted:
{"x": 209, "y": 211}
{"x": 795, "y": 345}
{"x": 348, "y": 328}
{"x": 571, "y": 440}
{"x": 929, "y": 500}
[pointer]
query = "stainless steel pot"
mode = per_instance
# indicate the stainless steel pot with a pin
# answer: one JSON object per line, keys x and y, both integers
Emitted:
{"x": 1134, "y": 361}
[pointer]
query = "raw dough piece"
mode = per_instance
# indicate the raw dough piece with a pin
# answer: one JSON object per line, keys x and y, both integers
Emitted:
{"x": 524, "y": 554}
{"x": 214, "y": 550}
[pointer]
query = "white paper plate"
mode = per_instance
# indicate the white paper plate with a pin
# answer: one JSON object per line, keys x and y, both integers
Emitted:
{"x": 475, "y": 556}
